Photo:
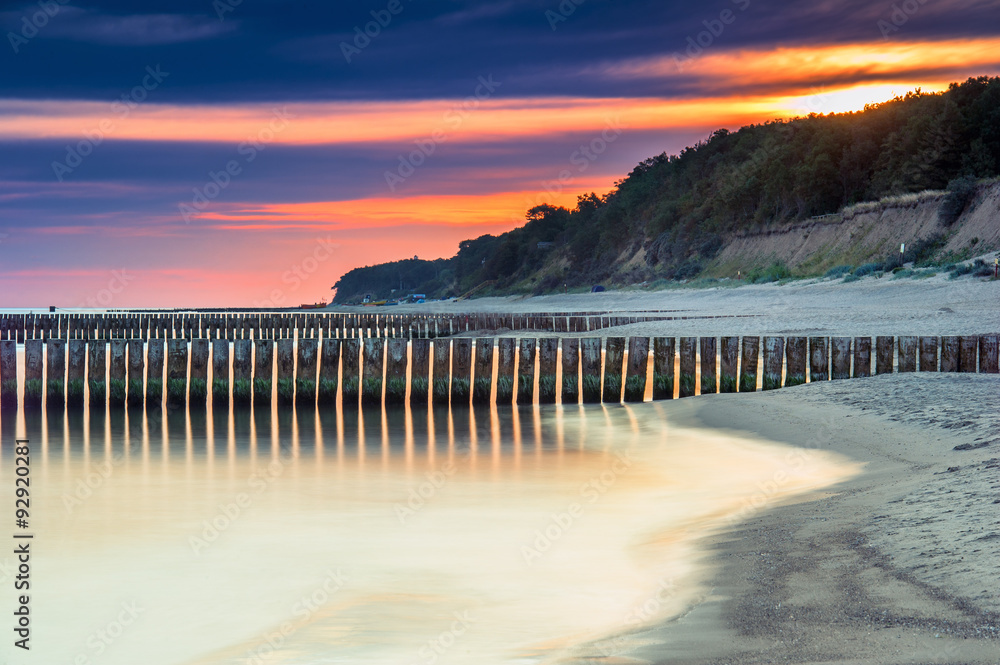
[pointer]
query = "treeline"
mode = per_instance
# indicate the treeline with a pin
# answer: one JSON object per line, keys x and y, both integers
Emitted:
{"x": 679, "y": 210}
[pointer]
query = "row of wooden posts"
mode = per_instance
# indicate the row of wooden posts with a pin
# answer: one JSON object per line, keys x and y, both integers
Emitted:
{"x": 137, "y": 372}
{"x": 21, "y": 327}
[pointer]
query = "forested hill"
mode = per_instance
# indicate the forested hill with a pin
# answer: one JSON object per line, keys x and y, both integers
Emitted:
{"x": 673, "y": 213}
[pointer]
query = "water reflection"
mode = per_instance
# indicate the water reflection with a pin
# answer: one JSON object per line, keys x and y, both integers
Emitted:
{"x": 394, "y": 535}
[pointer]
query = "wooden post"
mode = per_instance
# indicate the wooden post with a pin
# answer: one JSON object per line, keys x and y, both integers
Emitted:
{"x": 33, "y": 368}
{"x": 395, "y": 371}
{"x": 136, "y": 367}
{"x": 420, "y": 371}
{"x": 928, "y": 354}
{"x": 305, "y": 371}
{"x": 154, "y": 373}
{"x": 688, "y": 366}
{"x": 117, "y": 386}
{"x": 663, "y": 368}
{"x": 329, "y": 371}
{"x": 286, "y": 370}
{"x": 548, "y": 355}
{"x": 988, "y": 354}
{"x": 220, "y": 373}
{"x": 729, "y": 354}
{"x": 884, "y": 348}
{"x": 570, "y": 370}
{"x": 97, "y": 372}
{"x": 590, "y": 355}
{"x": 819, "y": 359}
{"x": 505, "y": 370}
{"x": 795, "y": 361}
{"x": 967, "y": 353}
{"x": 55, "y": 373}
{"x": 774, "y": 351}
{"x": 461, "y": 371}
{"x": 614, "y": 357}
{"x": 840, "y": 357}
{"x": 372, "y": 370}
{"x": 442, "y": 371}
{"x": 526, "y": 371}
{"x": 263, "y": 372}
{"x": 177, "y": 370}
{"x": 862, "y": 357}
{"x": 748, "y": 364}
{"x": 708, "y": 383}
{"x": 638, "y": 362}
{"x": 198, "y": 384}
{"x": 482, "y": 389}
{"x": 8, "y": 375}
{"x": 949, "y": 354}
{"x": 242, "y": 372}
{"x": 76, "y": 380}
{"x": 907, "y": 354}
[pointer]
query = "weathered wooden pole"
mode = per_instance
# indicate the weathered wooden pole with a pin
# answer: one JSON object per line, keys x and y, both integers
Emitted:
{"x": 774, "y": 352}
{"x": 286, "y": 370}
{"x": 967, "y": 353}
{"x": 395, "y": 371}
{"x": 526, "y": 370}
{"x": 154, "y": 372}
{"x": 136, "y": 368}
{"x": 590, "y": 355}
{"x": 177, "y": 372}
{"x": 862, "y": 357}
{"x": 840, "y": 357}
{"x": 263, "y": 371}
{"x": 819, "y": 359}
{"x": 33, "y": 369}
{"x": 928, "y": 354}
{"x": 305, "y": 371}
{"x": 548, "y": 356}
{"x": 198, "y": 384}
{"x": 884, "y": 350}
{"x": 614, "y": 358}
{"x": 8, "y": 375}
{"x": 117, "y": 364}
{"x": 688, "y": 366}
{"x": 373, "y": 370}
{"x": 663, "y": 368}
{"x": 708, "y": 353}
{"x": 329, "y": 371}
{"x": 570, "y": 370}
{"x": 461, "y": 371}
{"x": 420, "y": 371}
{"x": 635, "y": 374}
{"x": 55, "y": 373}
{"x": 729, "y": 360}
{"x": 97, "y": 372}
{"x": 76, "y": 378}
{"x": 220, "y": 373}
{"x": 482, "y": 389}
{"x": 748, "y": 364}
{"x": 795, "y": 361}
{"x": 442, "y": 371}
{"x": 506, "y": 355}
{"x": 949, "y": 354}
{"x": 242, "y": 372}
{"x": 988, "y": 361}
{"x": 907, "y": 359}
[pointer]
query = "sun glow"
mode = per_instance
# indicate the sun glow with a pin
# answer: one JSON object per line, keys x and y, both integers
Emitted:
{"x": 850, "y": 99}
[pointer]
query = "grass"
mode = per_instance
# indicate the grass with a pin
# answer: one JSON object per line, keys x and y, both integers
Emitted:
{"x": 481, "y": 390}
{"x": 687, "y": 383}
{"x": 220, "y": 389}
{"x": 371, "y": 389}
{"x": 395, "y": 390}
{"x": 198, "y": 389}
{"x": 771, "y": 381}
{"x": 612, "y": 387}
{"x": 547, "y": 387}
{"x": 419, "y": 385}
{"x": 97, "y": 391}
{"x": 571, "y": 389}
{"x": 748, "y": 383}
{"x": 33, "y": 389}
{"x": 839, "y": 271}
{"x": 135, "y": 389}
{"x": 525, "y": 387}
{"x": 56, "y": 390}
{"x": 440, "y": 388}
{"x": 728, "y": 384}
{"x": 795, "y": 380}
{"x": 305, "y": 390}
{"x": 591, "y": 388}
{"x": 117, "y": 390}
{"x": 663, "y": 386}
{"x": 707, "y": 384}
{"x": 262, "y": 390}
{"x": 75, "y": 390}
{"x": 242, "y": 390}
{"x": 460, "y": 388}
{"x": 505, "y": 389}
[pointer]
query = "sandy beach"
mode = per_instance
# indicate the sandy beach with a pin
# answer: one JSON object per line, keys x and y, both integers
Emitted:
{"x": 898, "y": 565}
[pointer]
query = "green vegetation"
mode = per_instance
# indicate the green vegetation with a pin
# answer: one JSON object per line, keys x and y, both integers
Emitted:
{"x": 481, "y": 389}
{"x": 75, "y": 391}
{"x": 395, "y": 390}
{"x": 56, "y": 390}
{"x": 305, "y": 390}
{"x": 460, "y": 389}
{"x": 33, "y": 389}
{"x": 262, "y": 390}
{"x": 198, "y": 389}
{"x": 117, "y": 390}
{"x": 664, "y": 385}
{"x": 97, "y": 391}
{"x": 591, "y": 388}
{"x": 242, "y": 390}
{"x": 635, "y": 388}
{"x": 547, "y": 386}
{"x": 671, "y": 216}
{"x": 220, "y": 389}
{"x": 505, "y": 389}
{"x": 571, "y": 390}
{"x": 419, "y": 385}
{"x": 727, "y": 384}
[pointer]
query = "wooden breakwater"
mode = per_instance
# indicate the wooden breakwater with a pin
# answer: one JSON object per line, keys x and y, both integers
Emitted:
{"x": 233, "y": 326}
{"x": 459, "y": 370}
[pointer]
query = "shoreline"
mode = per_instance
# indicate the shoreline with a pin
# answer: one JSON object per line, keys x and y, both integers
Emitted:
{"x": 898, "y": 564}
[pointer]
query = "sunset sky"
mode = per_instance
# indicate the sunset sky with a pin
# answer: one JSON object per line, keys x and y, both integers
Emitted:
{"x": 249, "y": 152}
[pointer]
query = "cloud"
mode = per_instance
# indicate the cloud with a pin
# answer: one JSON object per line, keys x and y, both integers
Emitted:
{"x": 134, "y": 29}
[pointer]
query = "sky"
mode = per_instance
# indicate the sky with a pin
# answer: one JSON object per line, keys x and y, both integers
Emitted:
{"x": 246, "y": 153}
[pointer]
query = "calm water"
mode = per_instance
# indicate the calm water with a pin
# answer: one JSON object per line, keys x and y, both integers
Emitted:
{"x": 495, "y": 536}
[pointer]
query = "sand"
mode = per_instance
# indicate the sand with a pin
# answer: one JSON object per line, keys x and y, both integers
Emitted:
{"x": 898, "y": 565}
{"x": 886, "y": 306}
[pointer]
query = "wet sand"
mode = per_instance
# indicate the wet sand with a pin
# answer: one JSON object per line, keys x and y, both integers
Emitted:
{"x": 900, "y": 564}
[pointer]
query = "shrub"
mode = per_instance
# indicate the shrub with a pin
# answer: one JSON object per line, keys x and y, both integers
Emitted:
{"x": 851, "y": 278}
{"x": 868, "y": 269}
{"x": 839, "y": 271}
{"x": 960, "y": 192}
{"x": 772, "y": 273}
